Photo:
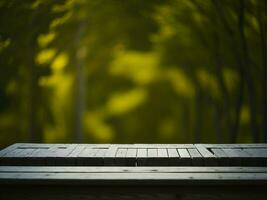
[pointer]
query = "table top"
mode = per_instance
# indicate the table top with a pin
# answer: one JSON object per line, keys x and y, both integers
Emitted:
{"x": 135, "y": 165}
{"x": 27, "y": 154}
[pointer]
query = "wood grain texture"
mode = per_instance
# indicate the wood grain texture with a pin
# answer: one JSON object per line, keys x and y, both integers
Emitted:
{"x": 76, "y": 171}
{"x": 132, "y": 175}
{"x": 28, "y": 154}
{"x": 141, "y": 158}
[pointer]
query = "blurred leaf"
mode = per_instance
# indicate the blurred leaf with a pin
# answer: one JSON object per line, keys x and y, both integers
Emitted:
{"x": 122, "y": 102}
{"x": 45, "y": 56}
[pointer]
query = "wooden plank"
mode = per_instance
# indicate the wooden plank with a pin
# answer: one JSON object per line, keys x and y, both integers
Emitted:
{"x": 174, "y": 158}
{"x": 222, "y": 158}
{"x": 48, "y": 155}
{"x": 185, "y": 158}
{"x": 131, "y": 157}
{"x": 155, "y": 146}
{"x": 23, "y": 157}
{"x": 57, "y": 153}
{"x": 197, "y": 159}
{"x": 258, "y": 152}
{"x": 53, "y": 154}
{"x": 9, "y": 148}
{"x": 161, "y": 179}
{"x": 152, "y": 155}
{"x": 236, "y": 156}
{"x": 68, "y": 154}
{"x": 98, "y": 146}
{"x": 37, "y": 145}
{"x": 109, "y": 158}
{"x": 150, "y": 169}
{"x": 210, "y": 159}
{"x": 120, "y": 157}
{"x": 100, "y": 153}
{"x": 163, "y": 158}
{"x": 86, "y": 157}
{"x": 236, "y": 146}
{"x": 38, "y": 157}
{"x": 72, "y": 157}
{"x": 141, "y": 157}
{"x": 45, "y": 154}
{"x": 259, "y": 156}
{"x": 10, "y": 157}
{"x": 13, "y": 153}
{"x": 98, "y": 157}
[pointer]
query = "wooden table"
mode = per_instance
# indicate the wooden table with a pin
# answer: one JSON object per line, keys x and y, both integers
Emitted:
{"x": 133, "y": 171}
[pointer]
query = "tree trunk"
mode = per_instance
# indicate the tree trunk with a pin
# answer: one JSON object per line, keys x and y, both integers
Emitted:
{"x": 34, "y": 127}
{"x": 247, "y": 73}
{"x": 219, "y": 74}
{"x": 234, "y": 128}
{"x": 79, "y": 87}
{"x": 264, "y": 74}
{"x": 198, "y": 114}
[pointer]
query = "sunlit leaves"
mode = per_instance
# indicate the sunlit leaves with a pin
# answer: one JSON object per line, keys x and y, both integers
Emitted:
{"x": 60, "y": 21}
{"x": 60, "y": 85}
{"x": 95, "y": 125}
{"x": 60, "y": 62}
{"x": 45, "y": 39}
{"x": 45, "y": 56}
{"x": 142, "y": 68}
{"x": 123, "y": 102}
{"x": 180, "y": 82}
{"x": 154, "y": 67}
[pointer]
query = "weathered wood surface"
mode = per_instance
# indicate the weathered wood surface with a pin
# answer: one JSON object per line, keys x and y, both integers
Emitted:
{"x": 133, "y": 171}
{"x": 24, "y": 154}
{"x": 133, "y": 175}
{"x": 128, "y": 183}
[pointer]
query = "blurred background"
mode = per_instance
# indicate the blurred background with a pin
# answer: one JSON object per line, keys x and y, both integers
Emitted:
{"x": 116, "y": 71}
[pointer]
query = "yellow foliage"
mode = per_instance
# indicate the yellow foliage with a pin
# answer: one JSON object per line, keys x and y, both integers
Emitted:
{"x": 120, "y": 103}
{"x": 181, "y": 83}
{"x": 52, "y": 134}
{"x": 61, "y": 84}
{"x": 36, "y": 4}
{"x": 4, "y": 44}
{"x": 142, "y": 68}
{"x": 45, "y": 56}
{"x": 94, "y": 124}
{"x": 45, "y": 39}
{"x": 60, "y": 62}
{"x": 166, "y": 20}
{"x": 244, "y": 115}
{"x": 169, "y": 28}
{"x": 208, "y": 81}
{"x": 61, "y": 20}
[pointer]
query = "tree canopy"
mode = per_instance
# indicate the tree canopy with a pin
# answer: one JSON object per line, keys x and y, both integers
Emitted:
{"x": 114, "y": 71}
